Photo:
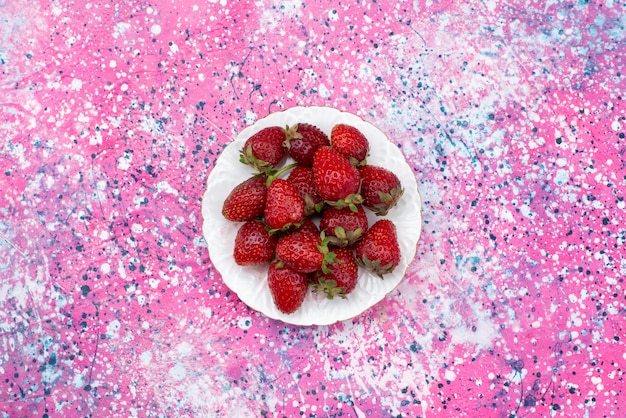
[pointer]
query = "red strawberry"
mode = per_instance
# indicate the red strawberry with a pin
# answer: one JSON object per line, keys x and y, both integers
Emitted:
{"x": 246, "y": 201}
{"x": 303, "y": 140}
{"x": 288, "y": 287}
{"x": 343, "y": 226}
{"x": 378, "y": 250}
{"x": 304, "y": 252}
{"x": 283, "y": 206}
{"x": 342, "y": 278}
{"x": 336, "y": 180}
{"x": 303, "y": 180}
{"x": 264, "y": 149}
{"x": 380, "y": 188}
{"x": 351, "y": 142}
{"x": 254, "y": 244}
{"x": 307, "y": 226}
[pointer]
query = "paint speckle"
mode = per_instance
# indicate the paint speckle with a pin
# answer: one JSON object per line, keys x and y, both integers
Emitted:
{"x": 244, "y": 322}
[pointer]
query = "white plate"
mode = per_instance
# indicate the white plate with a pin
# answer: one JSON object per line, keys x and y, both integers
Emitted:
{"x": 250, "y": 283}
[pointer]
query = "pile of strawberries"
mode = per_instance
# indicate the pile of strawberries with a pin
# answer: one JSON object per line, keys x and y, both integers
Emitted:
{"x": 329, "y": 181}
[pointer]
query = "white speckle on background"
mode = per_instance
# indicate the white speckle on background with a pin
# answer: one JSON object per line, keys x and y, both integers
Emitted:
{"x": 562, "y": 176}
{"x": 145, "y": 358}
{"x": 164, "y": 187}
{"x": 113, "y": 328}
{"x": 244, "y": 322}
{"x": 120, "y": 29}
{"x": 184, "y": 348}
{"x": 76, "y": 84}
{"x": 616, "y": 126}
{"x": 178, "y": 372}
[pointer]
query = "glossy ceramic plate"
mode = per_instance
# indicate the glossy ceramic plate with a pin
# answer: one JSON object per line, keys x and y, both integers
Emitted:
{"x": 250, "y": 283}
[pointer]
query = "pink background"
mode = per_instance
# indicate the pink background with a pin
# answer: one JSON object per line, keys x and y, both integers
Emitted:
{"x": 112, "y": 114}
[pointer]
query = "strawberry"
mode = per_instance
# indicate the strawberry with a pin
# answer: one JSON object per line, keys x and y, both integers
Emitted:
{"x": 380, "y": 188}
{"x": 307, "y": 226}
{"x": 351, "y": 142}
{"x": 283, "y": 207}
{"x": 342, "y": 278}
{"x": 304, "y": 252}
{"x": 303, "y": 180}
{"x": 264, "y": 150}
{"x": 303, "y": 140}
{"x": 336, "y": 180}
{"x": 288, "y": 287}
{"x": 254, "y": 244}
{"x": 343, "y": 226}
{"x": 378, "y": 250}
{"x": 246, "y": 201}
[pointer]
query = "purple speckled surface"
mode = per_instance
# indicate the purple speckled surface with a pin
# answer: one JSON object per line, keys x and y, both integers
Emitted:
{"x": 511, "y": 113}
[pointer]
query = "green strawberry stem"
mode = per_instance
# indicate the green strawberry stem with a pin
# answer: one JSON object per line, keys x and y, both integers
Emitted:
{"x": 274, "y": 174}
{"x": 350, "y": 201}
{"x": 285, "y": 228}
{"x": 291, "y": 132}
{"x": 329, "y": 288}
{"x": 329, "y": 256}
{"x": 357, "y": 163}
{"x": 343, "y": 238}
{"x": 247, "y": 157}
{"x": 375, "y": 267}
{"x": 387, "y": 201}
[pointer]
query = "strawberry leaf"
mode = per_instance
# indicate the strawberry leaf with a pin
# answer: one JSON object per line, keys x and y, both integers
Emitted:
{"x": 246, "y": 156}
{"x": 375, "y": 267}
{"x": 329, "y": 288}
{"x": 350, "y": 201}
